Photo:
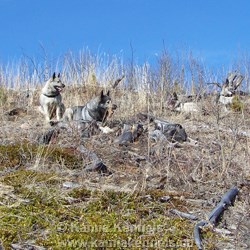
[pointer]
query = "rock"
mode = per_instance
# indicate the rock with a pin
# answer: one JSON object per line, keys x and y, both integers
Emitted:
{"x": 164, "y": 198}
{"x": 97, "y": 164}
{"x": 99, "y": 167}
{"x": 70, "y": 184}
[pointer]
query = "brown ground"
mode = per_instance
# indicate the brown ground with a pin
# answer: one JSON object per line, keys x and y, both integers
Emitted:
{"x": 198, "y": 171}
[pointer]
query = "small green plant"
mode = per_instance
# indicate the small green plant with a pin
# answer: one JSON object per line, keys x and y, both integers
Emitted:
{"x": 236, "y": 104}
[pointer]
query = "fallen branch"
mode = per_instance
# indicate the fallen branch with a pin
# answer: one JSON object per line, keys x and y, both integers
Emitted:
{"x": 227, "y": 200}
{"x": 197, "y": 231}
{"x": 184, "y": 215}
{"x": 222, "y": 231}
{"x": 26, "y": 246}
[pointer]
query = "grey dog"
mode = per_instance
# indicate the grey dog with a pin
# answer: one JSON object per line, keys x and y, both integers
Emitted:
{"x": 97, "y": 109}
{"x": 51, "y": 99}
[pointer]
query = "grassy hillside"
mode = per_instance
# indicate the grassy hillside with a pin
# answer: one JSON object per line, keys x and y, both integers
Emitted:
{"x": 48, "y": 200}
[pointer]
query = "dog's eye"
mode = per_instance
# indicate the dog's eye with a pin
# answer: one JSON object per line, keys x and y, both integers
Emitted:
{"x": 108, "y": 102}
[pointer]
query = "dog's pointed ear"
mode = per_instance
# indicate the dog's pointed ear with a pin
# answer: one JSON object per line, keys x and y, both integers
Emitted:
{"x": 54, "y": 76}
{"x": 102, "y": 94}
{"x": 58, "y": 75}
{"x": 108, "y": 93}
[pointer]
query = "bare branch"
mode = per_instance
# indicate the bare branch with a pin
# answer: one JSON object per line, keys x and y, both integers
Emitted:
{"x": 215, "y": 83}
{"x": 118, "y": 81}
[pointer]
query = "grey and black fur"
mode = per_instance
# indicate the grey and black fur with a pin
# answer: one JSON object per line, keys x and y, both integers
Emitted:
{"x": 51, "y": 99}
{"x": 97, "y": 109}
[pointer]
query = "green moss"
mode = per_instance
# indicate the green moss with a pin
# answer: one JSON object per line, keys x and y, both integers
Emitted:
{"x": 22, "y": 177}
{"x": 80, "y": 193}
{"x": 19, "y": 155}
{"x": 102, "y": 218}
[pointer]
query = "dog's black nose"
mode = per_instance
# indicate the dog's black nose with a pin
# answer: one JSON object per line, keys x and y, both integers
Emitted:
{"x": 63, "y": 85}
{"x": 114, "y": 106}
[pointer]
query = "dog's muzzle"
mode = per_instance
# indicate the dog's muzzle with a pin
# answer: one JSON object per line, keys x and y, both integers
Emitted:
{"x": 59, "y": 88}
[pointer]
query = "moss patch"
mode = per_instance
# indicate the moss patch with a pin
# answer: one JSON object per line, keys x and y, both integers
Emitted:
{"x": 37, "y": 209}
{"x": 97, "y": 220}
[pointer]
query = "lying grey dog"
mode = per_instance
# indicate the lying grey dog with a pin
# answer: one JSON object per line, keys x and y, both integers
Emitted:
{"x": 97, "y": 109}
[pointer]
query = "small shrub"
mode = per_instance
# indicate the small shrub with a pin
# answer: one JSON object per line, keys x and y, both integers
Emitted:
{"x": 236, "y": 104}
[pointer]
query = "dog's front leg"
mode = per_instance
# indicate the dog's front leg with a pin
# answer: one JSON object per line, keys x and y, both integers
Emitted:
{"x": 46, "y": 113}
{"x": 59, "y": 112}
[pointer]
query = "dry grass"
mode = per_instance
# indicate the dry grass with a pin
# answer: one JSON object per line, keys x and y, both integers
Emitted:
{"x": 35, "y": 204}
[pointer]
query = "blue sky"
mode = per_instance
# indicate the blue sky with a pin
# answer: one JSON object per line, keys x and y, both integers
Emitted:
{"x": 215, "y": 30}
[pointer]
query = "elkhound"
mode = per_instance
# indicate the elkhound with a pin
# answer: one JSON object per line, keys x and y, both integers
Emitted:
{"x": 97, "y": 109}
{"x": 51, "y": 99}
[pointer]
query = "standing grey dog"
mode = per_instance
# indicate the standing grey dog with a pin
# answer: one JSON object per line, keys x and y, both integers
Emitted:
{"x": 51, "y": 99}
{"x": 97, "y": 109}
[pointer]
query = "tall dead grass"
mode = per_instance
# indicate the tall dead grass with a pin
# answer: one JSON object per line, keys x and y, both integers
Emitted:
{"x": 145, "y": 85}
